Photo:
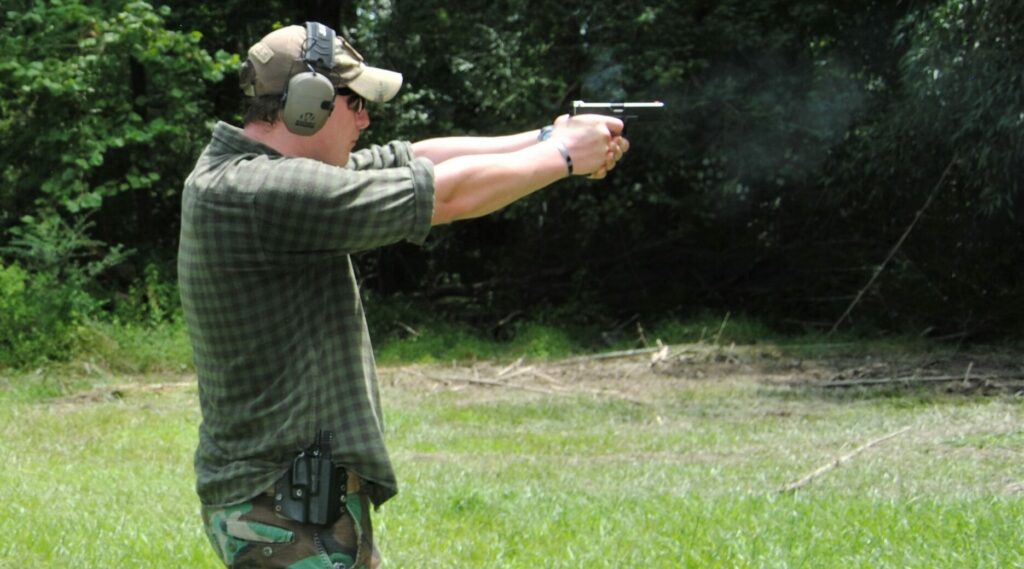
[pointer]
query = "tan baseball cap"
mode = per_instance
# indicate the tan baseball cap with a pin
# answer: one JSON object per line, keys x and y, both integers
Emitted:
{"x": 279, "y": 55}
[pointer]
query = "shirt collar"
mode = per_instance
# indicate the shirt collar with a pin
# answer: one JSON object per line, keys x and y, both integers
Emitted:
{"x": 228, "y": 139}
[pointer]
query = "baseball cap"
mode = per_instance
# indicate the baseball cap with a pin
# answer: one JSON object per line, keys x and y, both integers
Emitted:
{"x": 279, "y": 55}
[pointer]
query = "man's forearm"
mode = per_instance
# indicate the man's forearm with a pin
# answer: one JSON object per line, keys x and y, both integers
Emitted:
{"x": 439, "y": 150}
{"x": 474, "y": 185}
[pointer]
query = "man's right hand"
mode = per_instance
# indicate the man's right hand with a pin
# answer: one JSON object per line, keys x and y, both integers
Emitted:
{"x": 594, "y": 142}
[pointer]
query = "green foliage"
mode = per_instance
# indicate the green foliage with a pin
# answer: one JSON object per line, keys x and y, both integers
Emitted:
{"x": 97, "y": 102}
{"x": 103, "y": 108}
{"x": 151, "y": 300}
{"x": 90, "y": 95}
{"x": 34, "y": 317}
{"x": 46, "y": 293}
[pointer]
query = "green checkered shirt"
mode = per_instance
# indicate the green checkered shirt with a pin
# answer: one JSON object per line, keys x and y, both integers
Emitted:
{"x": 273, "y": 309}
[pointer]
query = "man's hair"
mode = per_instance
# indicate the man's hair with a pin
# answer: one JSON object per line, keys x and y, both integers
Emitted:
{"x": 265, "y": 108}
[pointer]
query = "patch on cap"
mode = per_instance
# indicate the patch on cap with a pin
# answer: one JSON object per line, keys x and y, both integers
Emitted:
{"x": 261, "y": 52}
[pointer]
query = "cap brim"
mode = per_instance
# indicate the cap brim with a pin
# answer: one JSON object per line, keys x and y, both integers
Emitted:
{"x": 376, "y": 84}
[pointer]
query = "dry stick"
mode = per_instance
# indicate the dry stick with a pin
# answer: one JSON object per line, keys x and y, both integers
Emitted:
{"x": 545, "y": 377}
{"x": 967, "y": 374}
{"x": 698, "y": 347}
{"x": 517, "y": 373}
{"x": 606, "y": 356}
{"x": 794, "y": 486}
{"x": 407, "y": 328}
{"x": 512, "y": 366}
{"x": 916, "y": 379}
{"x": 895, "y": 248}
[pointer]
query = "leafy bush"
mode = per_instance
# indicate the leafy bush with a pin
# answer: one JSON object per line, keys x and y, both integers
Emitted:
{"x": 36, "y": 317}
{"x": 45, "y": 295}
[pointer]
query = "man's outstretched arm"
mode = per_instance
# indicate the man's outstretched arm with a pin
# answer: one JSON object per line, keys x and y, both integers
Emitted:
{"x": 473, "y": 185}
{"x": 439, "y": 150}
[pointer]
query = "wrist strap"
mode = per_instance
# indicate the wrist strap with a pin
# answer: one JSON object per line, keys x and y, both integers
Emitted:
{"x": 565, "y": 153}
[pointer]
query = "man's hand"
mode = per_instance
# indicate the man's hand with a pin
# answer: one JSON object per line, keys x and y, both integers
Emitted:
{"x": 594, "y": 142}
{"x": 617, "y": 148}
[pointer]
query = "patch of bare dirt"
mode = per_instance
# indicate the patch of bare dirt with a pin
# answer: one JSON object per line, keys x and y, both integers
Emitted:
{"x": 641, "y": 376}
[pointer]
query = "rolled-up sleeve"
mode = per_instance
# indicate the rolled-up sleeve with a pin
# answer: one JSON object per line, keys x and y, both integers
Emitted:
{"x": 306, "y": 208}
{"x": 375, "y": 157}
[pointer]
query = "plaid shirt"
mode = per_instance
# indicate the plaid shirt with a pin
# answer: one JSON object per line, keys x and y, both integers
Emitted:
{"x": 273, "y": 310}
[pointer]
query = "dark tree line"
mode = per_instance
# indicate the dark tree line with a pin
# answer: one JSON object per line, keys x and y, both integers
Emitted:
{"x": 802, "y": 140}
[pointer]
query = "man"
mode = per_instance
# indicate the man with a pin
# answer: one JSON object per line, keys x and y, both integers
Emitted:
{"x": 291, "y": 453}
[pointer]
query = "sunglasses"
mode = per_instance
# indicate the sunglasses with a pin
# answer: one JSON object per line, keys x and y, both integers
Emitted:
{"x": 356, "y": 103}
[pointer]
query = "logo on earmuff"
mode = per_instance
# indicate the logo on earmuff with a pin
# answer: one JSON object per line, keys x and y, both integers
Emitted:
{"x": 306, "y": 120}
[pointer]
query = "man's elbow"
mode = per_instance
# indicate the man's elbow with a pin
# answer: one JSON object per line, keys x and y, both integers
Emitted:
{"x": 447, "y": 211}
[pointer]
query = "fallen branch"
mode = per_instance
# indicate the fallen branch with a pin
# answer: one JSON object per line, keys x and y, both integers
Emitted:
{"x": 607, "y": 356}
{"x": 676, "y": 350}
{"x": 541, "y": 375}
{"x": 915, "y": 379}
{"x": 412, "y": 331}
{"x": 512, "y": 366}
{"x": 794, "y": 486}
{"x": 895, "y": 248}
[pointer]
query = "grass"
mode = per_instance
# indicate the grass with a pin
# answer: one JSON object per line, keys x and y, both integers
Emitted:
{"x": 523, "y": 480}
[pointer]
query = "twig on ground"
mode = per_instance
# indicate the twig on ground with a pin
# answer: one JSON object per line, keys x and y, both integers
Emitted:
{"x": 794, "y": 486}
{"x": 517, "y": 373}
{"x": 544, "y": 376}
{"x": 607, "y": 356}
{"x": 915, "y": 379}
{"x": 412, "y": 331}
{"x": 512, "y": 366}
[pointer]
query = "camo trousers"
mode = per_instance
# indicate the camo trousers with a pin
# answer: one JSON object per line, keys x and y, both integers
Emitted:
{"x": 251, "y": 535}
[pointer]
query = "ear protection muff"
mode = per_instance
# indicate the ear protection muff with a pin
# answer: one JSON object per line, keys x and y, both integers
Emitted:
{"x": 309, "y": 95}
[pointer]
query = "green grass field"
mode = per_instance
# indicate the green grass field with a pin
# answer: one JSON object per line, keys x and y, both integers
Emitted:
{"x": 496, "y": 478}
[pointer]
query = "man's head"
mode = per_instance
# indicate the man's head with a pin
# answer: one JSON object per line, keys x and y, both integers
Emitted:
{"x": 318, "y": 84}
{"x": 285, "y": 62}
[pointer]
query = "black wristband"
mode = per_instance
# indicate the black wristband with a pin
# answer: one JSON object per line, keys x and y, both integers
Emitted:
{"x": 565, "y": 153}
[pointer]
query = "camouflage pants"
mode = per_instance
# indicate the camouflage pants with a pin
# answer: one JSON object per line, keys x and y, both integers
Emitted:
{"x": 251, "y": 535}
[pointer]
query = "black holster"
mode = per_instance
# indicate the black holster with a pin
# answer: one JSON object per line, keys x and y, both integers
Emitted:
{"x": 313, "y": 489}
